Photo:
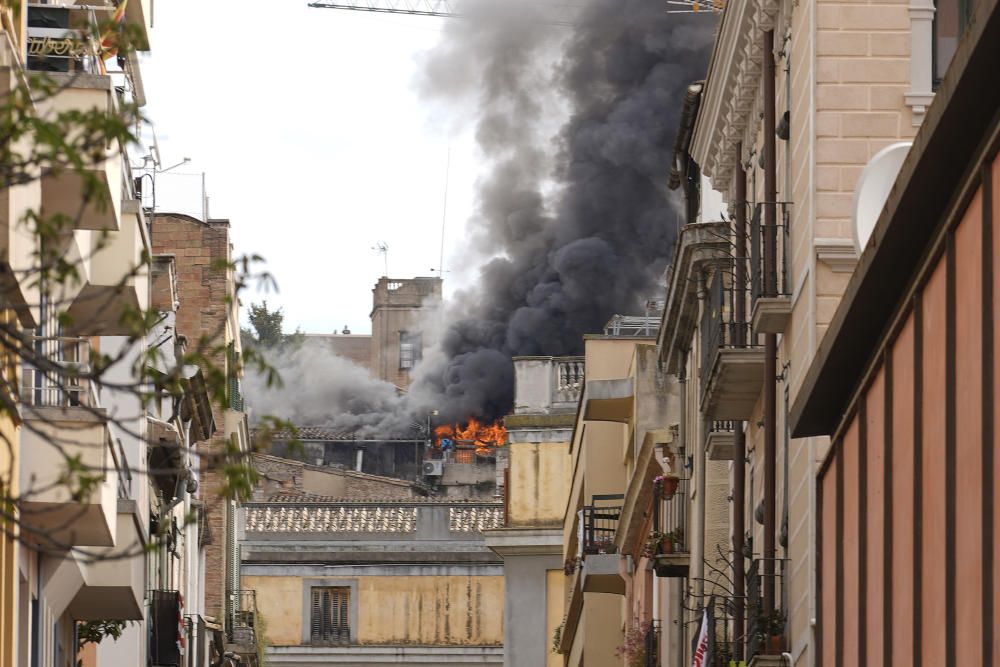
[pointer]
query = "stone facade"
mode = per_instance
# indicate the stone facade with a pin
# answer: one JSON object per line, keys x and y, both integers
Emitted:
{"x": 397, "y": 306}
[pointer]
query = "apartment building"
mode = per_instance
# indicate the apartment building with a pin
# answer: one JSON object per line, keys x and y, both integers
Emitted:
{"x": 798, "y": 100}
{"x": 208, "y": 319}
{"x": 620, "y": 452}
{"x": 374, "y": 582}
{"x": 904, "y": 385}
{"x": 536, "y": 486}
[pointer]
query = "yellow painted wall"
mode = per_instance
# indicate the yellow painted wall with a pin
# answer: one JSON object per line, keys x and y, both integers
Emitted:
{"x": 539, "y": 483}
{"x": 279, "y": 600}
{"x": 555, "y": 596}
{"x": 428, "y": 610}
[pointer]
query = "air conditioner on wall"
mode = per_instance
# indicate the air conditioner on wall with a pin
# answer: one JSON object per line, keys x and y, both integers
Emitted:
{"x": 433, "y": 468}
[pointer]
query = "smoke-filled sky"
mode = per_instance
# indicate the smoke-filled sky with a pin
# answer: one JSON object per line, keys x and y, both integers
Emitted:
{"x": 572, "y": 221}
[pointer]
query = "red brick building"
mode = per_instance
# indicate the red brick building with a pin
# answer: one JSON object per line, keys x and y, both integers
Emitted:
{"x": 208, "y": 317}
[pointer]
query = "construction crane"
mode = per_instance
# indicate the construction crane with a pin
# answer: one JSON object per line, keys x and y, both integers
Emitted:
{"x": 556, "y": 14}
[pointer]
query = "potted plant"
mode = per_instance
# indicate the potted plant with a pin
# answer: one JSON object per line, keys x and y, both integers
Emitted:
{"x": 654, "y": 544}
{"x": 666, "y": 485}
{"x": 771, "y": 630}
{"x": 604, "y": 545}
{"x": 676, "y": 537}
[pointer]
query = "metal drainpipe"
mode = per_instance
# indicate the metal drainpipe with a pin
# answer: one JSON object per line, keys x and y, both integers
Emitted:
{"x": 699, "y": 457}
{"x": 677, "y": 613}
{"x": 739, "y": 437}
{"x": 770, "y": 340}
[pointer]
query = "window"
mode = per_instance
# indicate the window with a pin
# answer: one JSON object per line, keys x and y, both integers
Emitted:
{"x": 950, "y": 20}
{"x": 410, "y": 349}
{"x": 331, "y": 615}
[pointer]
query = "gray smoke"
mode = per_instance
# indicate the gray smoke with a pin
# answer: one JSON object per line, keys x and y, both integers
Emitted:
{"x": 562, "y": 269}
{"x": 576, "y": 222}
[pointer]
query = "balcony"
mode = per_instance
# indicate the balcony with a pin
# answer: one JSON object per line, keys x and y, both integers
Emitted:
{"x": 114, "y": 579}
{"x": 115, "y": 279}
{"x": 672, "y": 557}
{"x": 64, "y": 426}
{"x": 166, "y": 622}
{"x": 732, "y": 363}
{"x": 600, "y": 573}
{"x": 766, "y": 627}
{"x": 719, "y": 443}
{"x": 651, "y": 645}
{"x": 59, "y": 44}
{"x": 770, "y": 288}
{"x": 547, "y": 385}
{"x": 241, "y": 619}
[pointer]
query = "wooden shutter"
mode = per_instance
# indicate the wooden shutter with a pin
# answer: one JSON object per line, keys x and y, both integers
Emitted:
{"x": 330, "y": 622}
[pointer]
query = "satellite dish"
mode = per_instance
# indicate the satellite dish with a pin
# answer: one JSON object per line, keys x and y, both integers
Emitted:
{"x": 873, "y": 189}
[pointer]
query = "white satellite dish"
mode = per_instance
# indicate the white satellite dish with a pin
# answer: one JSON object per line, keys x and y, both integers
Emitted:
{"x": 876, "y": 181}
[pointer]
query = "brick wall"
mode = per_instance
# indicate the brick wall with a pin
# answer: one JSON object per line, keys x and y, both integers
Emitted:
{"x": 199, "y": 249}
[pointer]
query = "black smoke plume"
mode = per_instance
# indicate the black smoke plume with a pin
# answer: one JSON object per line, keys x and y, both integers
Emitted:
{"x": 562, "y": 269}
{"x": 576, "y": 222}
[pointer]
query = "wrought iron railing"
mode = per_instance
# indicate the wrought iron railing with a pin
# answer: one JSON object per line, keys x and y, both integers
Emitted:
{"x": 652, "y": 644}
{"x": 241, "y": 624}
{"x": 600, "y": 523}
{"x": 769, "y": 273}
{"x": 724, "y": 637}
{"x": 670, "y": 512}
{"x": 766, "y": 625}
{"x": 720, "y": 327}
{"x": 60, "y": 379}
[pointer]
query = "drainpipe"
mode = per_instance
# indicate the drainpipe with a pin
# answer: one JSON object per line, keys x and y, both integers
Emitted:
{"x": 677, "y": 604}
{"x": 770, "y": 340}
{"x": 359, "y": 458}
{"x": 739, "y": 437}
{"x": 699, "y": 457}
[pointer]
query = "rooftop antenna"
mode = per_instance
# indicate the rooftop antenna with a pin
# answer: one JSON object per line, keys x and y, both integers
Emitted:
{"x": 444, "y": 210}
{"x": 382, "y": 248}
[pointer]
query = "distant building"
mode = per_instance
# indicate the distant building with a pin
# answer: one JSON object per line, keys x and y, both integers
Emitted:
{"x": 536, "y": 483}
{"x": 397, "y": 329}
{"x": 376, "y": 583}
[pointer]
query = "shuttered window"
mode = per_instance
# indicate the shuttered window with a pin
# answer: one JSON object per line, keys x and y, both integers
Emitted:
{"x": 331, "y": 615}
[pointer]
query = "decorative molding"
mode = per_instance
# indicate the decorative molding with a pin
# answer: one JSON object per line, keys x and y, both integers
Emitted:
{"x": 839, "y": 254}
{"x": 921, "y": 92}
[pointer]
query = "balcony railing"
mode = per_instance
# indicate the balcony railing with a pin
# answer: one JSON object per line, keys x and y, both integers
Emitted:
{"x": 766, "y": 627}
{"x": 241, "y": 624}
{"x": 724, "y": 637}
{"x": 600, "y": 523}
{"x": 720, "y": 327}
{"x": 652, "y": 644}
{"x": 55, "y": 46}
{"x": 165, "y": 625}
{"x": 774, "y": 281}
{"x": 569, "y": 379}
{"x": 61, "y": 381}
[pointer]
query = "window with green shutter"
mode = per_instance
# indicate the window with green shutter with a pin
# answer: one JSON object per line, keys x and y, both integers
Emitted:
{"x": 331, "y": 615}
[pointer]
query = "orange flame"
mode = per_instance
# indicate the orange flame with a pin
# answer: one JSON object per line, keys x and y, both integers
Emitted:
{"x": 482, "y": 436}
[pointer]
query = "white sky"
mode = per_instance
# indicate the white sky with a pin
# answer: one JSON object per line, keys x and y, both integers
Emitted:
{"x": 315, "y": 145}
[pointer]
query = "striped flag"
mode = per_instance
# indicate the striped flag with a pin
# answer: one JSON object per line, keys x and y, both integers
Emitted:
{"x": 701, "y": 648}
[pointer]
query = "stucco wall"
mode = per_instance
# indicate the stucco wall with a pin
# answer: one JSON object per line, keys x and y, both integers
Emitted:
{"x": 539, "y": 483}
{"x": 427, "y": 610}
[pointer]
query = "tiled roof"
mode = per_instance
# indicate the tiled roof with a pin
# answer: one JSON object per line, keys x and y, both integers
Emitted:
{"x": 331, "y": 519}
{"x": 469, "y": 519}
{"x": 395, "y": 500}
{"x": 313, "y": 433}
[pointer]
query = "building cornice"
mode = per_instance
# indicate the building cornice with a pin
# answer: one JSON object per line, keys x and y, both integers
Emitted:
{"x": 731, "y": 88}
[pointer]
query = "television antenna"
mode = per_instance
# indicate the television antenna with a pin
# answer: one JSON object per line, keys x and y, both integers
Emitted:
{"x": 382, "y": 248}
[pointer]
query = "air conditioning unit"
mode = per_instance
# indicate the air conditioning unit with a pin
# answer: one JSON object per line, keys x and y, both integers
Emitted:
{"x": 433, "y": 468}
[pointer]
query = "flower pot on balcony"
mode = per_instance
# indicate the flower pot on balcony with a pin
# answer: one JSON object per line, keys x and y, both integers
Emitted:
{"x": 667, "y": 485}
{"x": 774, "y": 644}
{"x": 667, "y": 545}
